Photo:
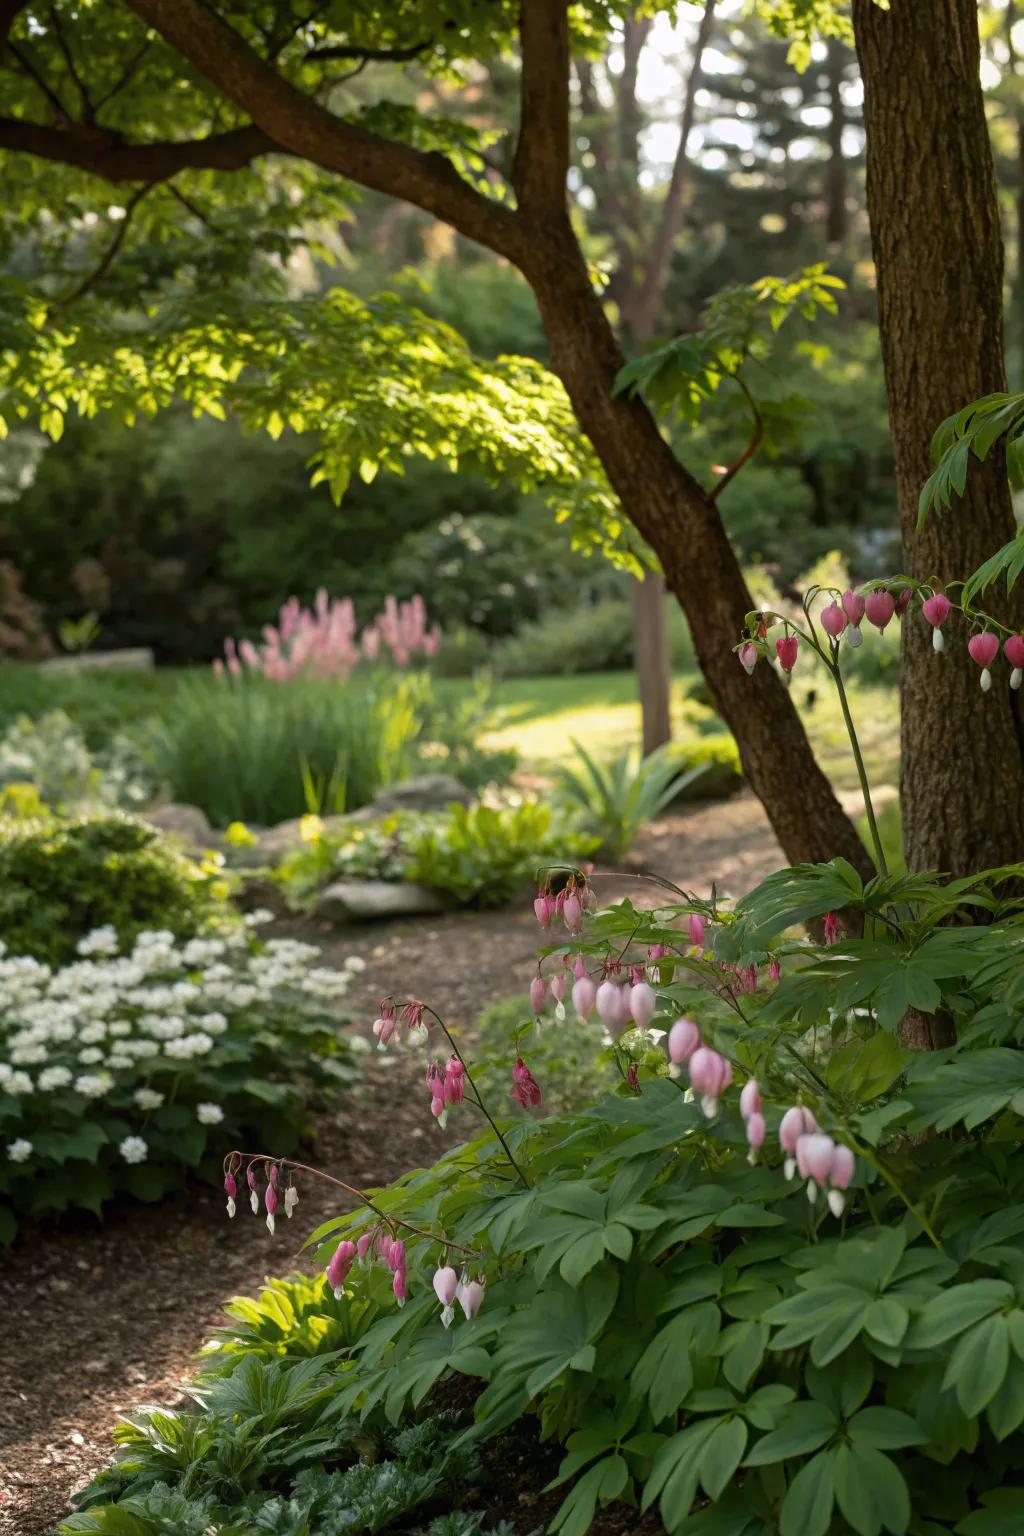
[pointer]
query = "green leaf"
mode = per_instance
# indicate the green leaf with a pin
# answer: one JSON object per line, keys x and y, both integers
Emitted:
{"x": 978, "y": 1364}
{"x": 958, "y": 1308}
{"x": 804, "y": 1427}
{"x": 886, "y": 1429}
{"x": 886, "y": 1321}
{"x": 722, "y": 1455}
{"x": 1001, "y": 1514}
{"x": 807, "y": 1507}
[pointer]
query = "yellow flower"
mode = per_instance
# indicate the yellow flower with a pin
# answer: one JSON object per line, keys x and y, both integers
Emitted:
{"x": 239, "y": 836}
{"x": 311, "y": 829}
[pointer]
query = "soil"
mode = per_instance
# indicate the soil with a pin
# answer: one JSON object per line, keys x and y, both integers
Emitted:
{"x": 103, "y": 1319}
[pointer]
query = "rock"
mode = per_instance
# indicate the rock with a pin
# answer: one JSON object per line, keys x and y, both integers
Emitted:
{"x": 368, "y": 901}
{"x": 138, "y": 658}
{"x": 185, "y": 821}
{"x": 260, "y": 894}
{"x": 426, "y": 792}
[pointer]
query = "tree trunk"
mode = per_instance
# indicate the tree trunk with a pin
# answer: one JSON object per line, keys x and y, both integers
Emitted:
{"x": 836, "y": 221}
{"x": 938, "y": 254}
{"x": 651, "y": 658}
{"x": 683, "y": 527}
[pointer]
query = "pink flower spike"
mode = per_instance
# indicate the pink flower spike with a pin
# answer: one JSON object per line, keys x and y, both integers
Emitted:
{"x": 786, "y": 649}
{"x": 695, "y": 924}
{"x": 538, "y": 993}
{"x": 642, "y": 1003}
{"x": 683, "y": 1040}
{"x": 750, "y": 1099}
{"x": 853, "y": 606}
{"x": 471, "y": 1298}
{"x": 879, "y": 607}
{"x": 833, "y": 620}
{"x": 749, "y": 656}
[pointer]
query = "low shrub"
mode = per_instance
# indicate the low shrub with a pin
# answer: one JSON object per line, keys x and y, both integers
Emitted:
{"x": 60, "y": 879}
{"x": 711, "y": 766}
{"x": 117, "y": 1072}
{"x": 52, "y": 754}
{"x": 595, "y": 637}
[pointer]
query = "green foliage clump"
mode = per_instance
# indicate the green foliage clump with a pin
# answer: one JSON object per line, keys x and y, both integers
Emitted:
{"x": 51, "y": 754}
{"x": 710, "y": 765}
{"x": 61, "y": 879}
{"x": 481, "y": 854}
{"x": 615, "y": 800}
{"x": 594, "y": 637}
{"x": 254, "y": 750}
{"x": 123, "y": 1070}
{"x": 103, "y": 703}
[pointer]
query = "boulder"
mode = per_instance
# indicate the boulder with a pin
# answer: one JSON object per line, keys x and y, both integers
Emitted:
{"x": 426, "y": 792}
{"x": 369, "y": 901}
{"x": 186, "y": 822}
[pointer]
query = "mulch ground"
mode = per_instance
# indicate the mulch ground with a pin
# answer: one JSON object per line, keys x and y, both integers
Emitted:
{"x": 99, "y": 1320}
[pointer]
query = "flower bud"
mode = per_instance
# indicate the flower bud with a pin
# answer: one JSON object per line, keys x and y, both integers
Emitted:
{"x": 749, "y": 655}
{"x": 796, "y": 1122}
{"x": 755, "y": 1134}
{"x": 544, "y": 908}
{"x": 446, "y": 1285}
{"x": 830, "y": 928}
{"x": 710, "y": 1076}
{"x": 903, "y": 597}
{"x": 695, "y": 924}
{"x": 364, "y": 1244}
{"x": 572, "y": 913}
{"x": 750, "y": 1099}
{"x": 399, "y": 1287}
{"x": 609, "y": 1004}
{"x": 538, "y": 992}
{"x": 558, "y": 986}
{"x": 339, "y": 1266}
{"x": 584, "y": 996}
{"x": 774, "y": 970}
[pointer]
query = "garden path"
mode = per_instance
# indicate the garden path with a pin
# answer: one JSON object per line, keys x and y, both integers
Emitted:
{"x": 99, "y": 1320}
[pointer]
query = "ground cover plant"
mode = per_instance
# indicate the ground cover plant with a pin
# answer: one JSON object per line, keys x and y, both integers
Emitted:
{"x": 145, "y": 1056}
{"x": 772, "y": 1283}
{"x": 481, "y": 854}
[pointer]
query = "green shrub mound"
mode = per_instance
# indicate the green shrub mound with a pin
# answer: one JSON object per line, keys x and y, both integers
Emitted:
{"x": 717, "y": 757}
{"x": 60, "y": 880}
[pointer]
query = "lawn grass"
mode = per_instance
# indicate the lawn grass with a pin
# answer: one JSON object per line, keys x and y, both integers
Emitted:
{"x": 540, "y": 716}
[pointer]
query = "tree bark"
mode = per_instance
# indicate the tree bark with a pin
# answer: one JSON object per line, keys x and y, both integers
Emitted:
{"x": 938, "y": 255}
{"x": 683, "y": 527}
{"x": 651, "y": 659}
{"x": 836, "y": 221}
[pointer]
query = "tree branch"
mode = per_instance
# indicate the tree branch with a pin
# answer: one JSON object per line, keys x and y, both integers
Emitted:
{"x": 754, "y": 444}
{"x": 106, "y": 261}
{"x": 300, "y": 125}
{"x": 541, "y": 164}
{"x": 27, "y": 67}
{"x": 105, "y": 154}
{"x": 371, "y": 55}
{"x": 72, "y": 68}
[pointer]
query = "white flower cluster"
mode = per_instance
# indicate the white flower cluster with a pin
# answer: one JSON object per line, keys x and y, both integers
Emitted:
{"x": 130, "y": 1025}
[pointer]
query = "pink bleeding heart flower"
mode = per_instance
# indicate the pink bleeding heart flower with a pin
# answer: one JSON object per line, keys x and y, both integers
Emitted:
{"x": 525, "y": 1088}
{"x": 840, "y": 1177}
{"x": 385, "y": 1027}
{"x": 446, "y": 1284}
{"x": 584, "y": 996}
{"x": 1013, "y": 650}
{"x": 774, "y": 970}
{"x": 339, "y": 1266}
{"x": 454, "y": 1082}
{"x": 364, "y": 1244}
{"x": 270, "y": 1202}
{"x": 796, "y": 1122}
{"x": 642, "y": 1003}
{"x": 231, "y": 1190}
{"x": 984, "y": 649}
{"x": 815, "y": 1155}
{"x": 755, "y": 1134}
{"x": 609, "y": 1003}
{"x": 853, "y": 606}
{"x": 572, "y": 913}
{"x": 903, "y": 597}
{"x": 879, "y": 607}
{"x": 786, "y": 649}
{"x": 399, "y": 1287}
{"x": 750, "y": 1099}
{"x": 558, "y": 986}
{"x": 471, "y": 1298}
{"x": 544, "y": 908}
{"x": 683, "y": 1040}
{"x": 831, "y": 929}
{"x": 396, "y": 1254}
{"x": 538, "y": 992}
{"x": 695, "y": 924}
{"x": 833, "y": 620}
{"x": 749, "y": 656}
{"x": 710, "y": 1076}
{"x": 936, "y": 610}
